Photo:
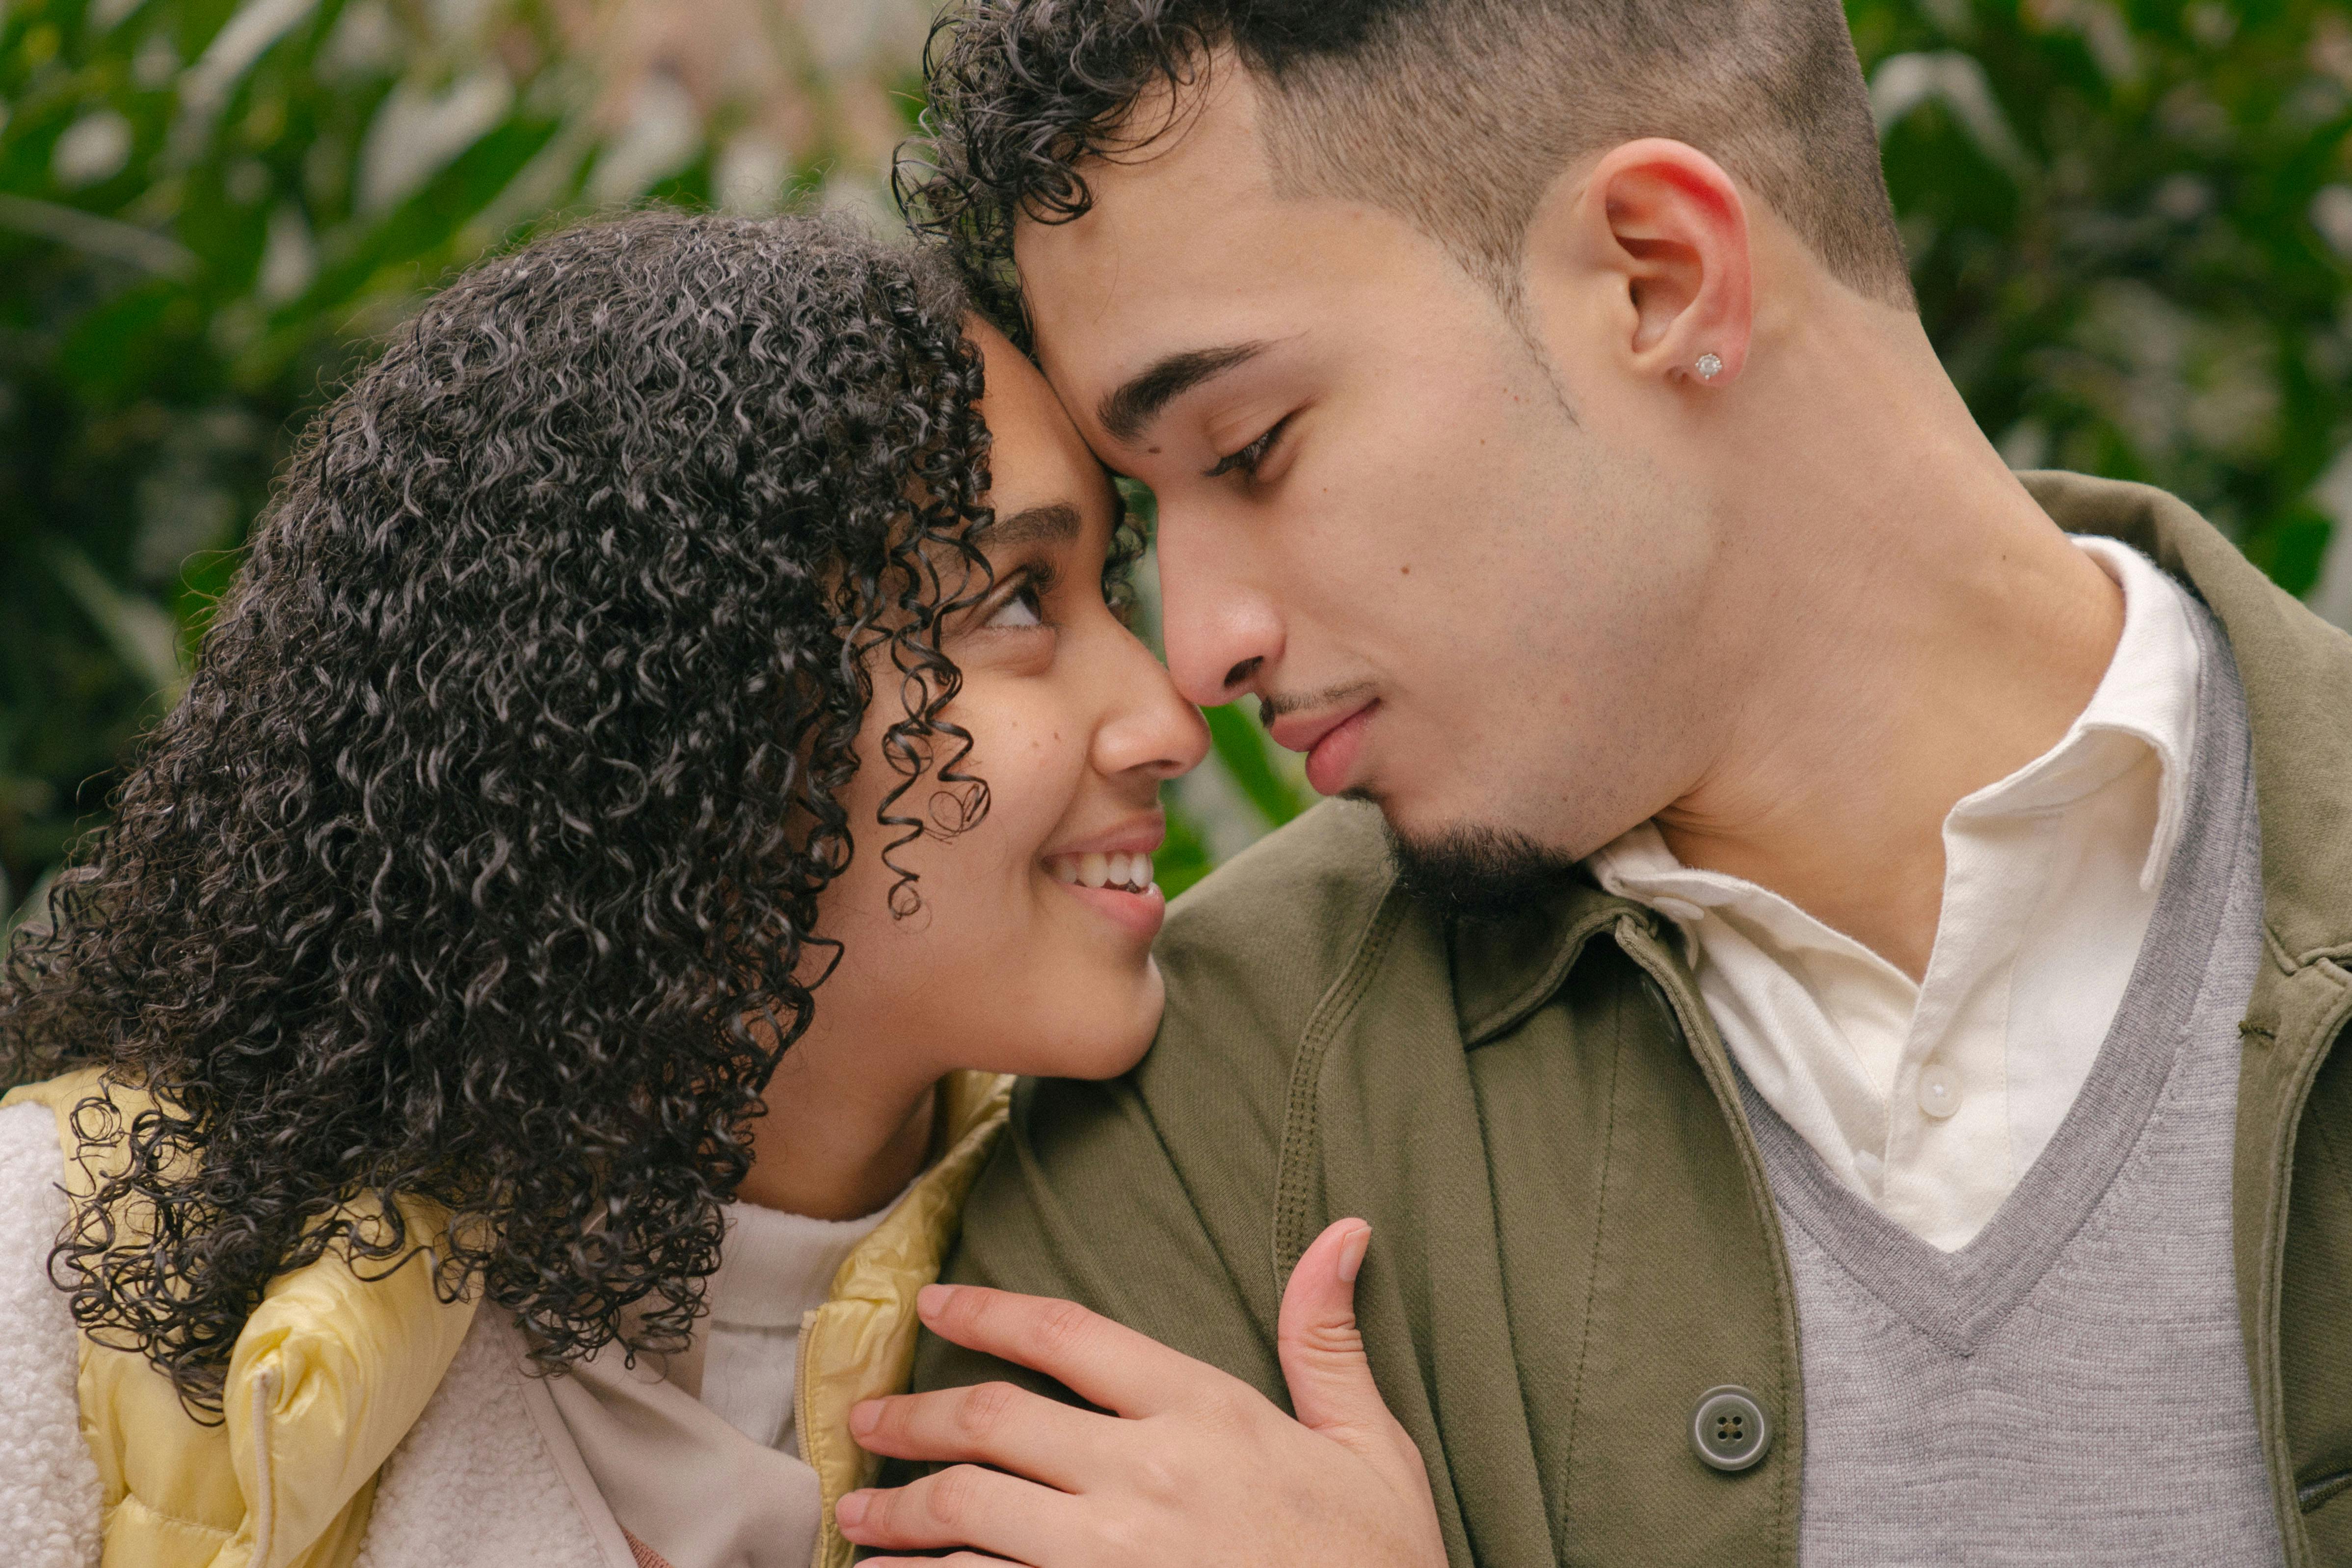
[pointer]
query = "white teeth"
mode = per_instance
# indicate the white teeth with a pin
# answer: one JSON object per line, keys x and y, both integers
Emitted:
{"x": 1097, "y": 869}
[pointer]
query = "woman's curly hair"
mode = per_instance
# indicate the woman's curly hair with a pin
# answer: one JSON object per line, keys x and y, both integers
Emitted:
{"x": 479, "y": 864}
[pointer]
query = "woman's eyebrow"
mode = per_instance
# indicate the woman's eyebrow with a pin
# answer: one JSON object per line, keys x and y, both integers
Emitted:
{"x": 1057, "y": 523}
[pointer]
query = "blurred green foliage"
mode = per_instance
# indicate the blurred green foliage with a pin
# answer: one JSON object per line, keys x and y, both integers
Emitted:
{"x": 205, "y": 208}
{"x": 2131, "y": 225}
{"x": 2131, "y": 233}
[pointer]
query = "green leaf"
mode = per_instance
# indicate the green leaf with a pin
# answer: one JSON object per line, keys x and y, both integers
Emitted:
{"x": 410, "y": 233}
{"x": 99, "y": 236}
{"x": 1184, "y": 859}
{"x": 1245, "y": 751}
{"x": 143, "y": 635}
{"x": 34, "y": 903}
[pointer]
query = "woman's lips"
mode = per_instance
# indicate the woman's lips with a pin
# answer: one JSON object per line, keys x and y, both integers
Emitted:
{"x": 1140, "y": 913}
{"x": 1332, "y": 761}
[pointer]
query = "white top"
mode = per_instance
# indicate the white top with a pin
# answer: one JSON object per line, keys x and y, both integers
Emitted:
{"x": 1931, "y": 1100}
{"x": 695, "y": 1454}
{"x": 774, "y": 1267}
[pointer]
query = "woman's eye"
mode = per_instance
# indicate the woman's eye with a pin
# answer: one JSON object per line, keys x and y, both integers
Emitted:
{"x": 1247, "y": 460}
{"x": 1022, "y": 609}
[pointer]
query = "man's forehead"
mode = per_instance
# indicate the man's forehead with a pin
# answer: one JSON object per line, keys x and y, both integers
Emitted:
{"x": 1187, "y": 225}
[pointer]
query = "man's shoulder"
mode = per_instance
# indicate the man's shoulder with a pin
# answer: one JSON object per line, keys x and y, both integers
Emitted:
{"x": 1150, "y": 1196}
{"x": 1248, "y": 955}
{"x": 1249, "y": 952}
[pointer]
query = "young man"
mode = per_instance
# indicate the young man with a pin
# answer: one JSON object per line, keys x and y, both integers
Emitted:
{"x": 1830, "y": 1020}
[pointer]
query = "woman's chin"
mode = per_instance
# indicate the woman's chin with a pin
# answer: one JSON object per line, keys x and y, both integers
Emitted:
{"x": 1112, "y": 1031}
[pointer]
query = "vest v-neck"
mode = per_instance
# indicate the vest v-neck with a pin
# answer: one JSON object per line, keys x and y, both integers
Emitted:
{"x": 1958, "y": 1298}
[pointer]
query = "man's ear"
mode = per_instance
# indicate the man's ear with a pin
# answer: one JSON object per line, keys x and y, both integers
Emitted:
{"x": 1642, "y": 256}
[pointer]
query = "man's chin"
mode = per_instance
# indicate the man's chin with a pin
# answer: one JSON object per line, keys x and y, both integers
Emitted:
{"x": 1478, "y": 870}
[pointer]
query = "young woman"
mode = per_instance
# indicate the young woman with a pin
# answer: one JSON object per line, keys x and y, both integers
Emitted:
{"x": 494, "y": 1090}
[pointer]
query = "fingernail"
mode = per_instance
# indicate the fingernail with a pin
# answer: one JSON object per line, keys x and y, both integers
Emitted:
{"x": 850, "y": 1511}
{"x": 1351, "y": 1254}
{"x": 864, "y": 1415}
{"x": 932, "y": 1300}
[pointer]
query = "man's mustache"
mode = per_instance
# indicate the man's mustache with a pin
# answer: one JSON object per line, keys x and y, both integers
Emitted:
{"x": 1277, "y": 706}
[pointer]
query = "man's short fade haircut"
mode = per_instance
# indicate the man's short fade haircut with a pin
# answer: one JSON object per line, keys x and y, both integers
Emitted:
{"x": 1454, "y": 114}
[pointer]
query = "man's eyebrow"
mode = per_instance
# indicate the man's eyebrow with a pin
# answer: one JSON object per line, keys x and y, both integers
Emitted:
{"x": 1128, "y": 410}
{"x": 1057, "y": 523}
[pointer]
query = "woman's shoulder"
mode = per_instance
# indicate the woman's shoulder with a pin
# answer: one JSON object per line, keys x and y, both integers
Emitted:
{"x": 49, "y": 1499}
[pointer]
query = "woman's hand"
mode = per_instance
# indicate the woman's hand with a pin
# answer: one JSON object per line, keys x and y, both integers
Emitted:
{"x": 1194, "y": 1467}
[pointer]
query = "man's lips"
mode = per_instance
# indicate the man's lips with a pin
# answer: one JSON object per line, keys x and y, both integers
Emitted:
{"x": 1331, "y": 740}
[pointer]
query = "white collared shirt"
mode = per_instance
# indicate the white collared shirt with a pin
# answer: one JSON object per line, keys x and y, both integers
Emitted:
{"x": 1931, "y": 1099}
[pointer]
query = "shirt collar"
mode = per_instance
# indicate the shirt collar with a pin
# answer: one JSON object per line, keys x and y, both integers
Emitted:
{"x": 2148, "y": 694}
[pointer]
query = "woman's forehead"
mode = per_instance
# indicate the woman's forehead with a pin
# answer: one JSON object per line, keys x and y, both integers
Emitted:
{"x": 1037, "y": 456}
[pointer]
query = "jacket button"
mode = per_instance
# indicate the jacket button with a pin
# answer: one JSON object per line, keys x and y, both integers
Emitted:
{"x": 1729, "y": 1429}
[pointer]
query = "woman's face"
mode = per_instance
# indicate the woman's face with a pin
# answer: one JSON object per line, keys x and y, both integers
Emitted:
{"x": 1032, "y": 949}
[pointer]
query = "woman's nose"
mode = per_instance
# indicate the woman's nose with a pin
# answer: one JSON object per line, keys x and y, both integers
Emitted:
{"x": 1149, "y": 730}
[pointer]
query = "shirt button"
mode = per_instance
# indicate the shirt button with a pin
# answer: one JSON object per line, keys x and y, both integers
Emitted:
{"x": 1729, "y": 1429}
{"x": 1940, "y": 1091}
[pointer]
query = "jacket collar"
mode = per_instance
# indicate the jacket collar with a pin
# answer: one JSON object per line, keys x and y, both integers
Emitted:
{"x": 1504, "y": 969}
{"x": 2297, "y": 675}
{"x": 861, "y": 1343}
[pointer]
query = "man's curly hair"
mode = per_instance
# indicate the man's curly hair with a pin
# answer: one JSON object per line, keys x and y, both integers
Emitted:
{"x": 479, "y": 864}
{"x": 1454, "y": 114}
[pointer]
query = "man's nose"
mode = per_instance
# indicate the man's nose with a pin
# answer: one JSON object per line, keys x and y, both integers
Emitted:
{"x": 1221, "y": 629}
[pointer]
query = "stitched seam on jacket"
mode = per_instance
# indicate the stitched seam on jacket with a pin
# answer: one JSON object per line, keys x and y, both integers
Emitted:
{"x": 211, "y": 1535}
{"x": 2267, "y": 1369}
{"x": 2322, "y": 1492}
{"x": 1592, "y": 1262}
{"x": 1759, "y": 1187}
{"x": 1292, "y": 1171}
{"x": 265, "y": 1480}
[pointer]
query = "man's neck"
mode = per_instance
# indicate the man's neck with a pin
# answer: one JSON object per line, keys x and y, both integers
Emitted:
{"x": 1933, "y": 633}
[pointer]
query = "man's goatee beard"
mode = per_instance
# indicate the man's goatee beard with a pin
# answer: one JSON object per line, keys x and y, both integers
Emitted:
{"x": 1479, "y": 872}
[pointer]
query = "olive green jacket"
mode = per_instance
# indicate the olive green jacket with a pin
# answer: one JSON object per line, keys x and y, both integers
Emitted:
{"x": 1572, "y": 1235}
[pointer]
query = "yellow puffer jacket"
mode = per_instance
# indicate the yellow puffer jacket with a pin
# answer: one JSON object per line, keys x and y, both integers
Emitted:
{"x": 331, "y": 1371}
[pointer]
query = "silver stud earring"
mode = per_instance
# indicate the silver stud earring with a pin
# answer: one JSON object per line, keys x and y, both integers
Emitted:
{"x": 1708, "y": 367}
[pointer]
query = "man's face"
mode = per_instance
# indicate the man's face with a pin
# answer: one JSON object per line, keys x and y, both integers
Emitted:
{"x": 1377, "y": 513}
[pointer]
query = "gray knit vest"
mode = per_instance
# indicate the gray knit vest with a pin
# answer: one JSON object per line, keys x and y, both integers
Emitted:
{"x": 2071, "y": 1386}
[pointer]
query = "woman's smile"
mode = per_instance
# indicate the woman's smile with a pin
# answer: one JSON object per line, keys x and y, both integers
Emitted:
{"x": 1111, "y": 874}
